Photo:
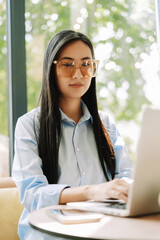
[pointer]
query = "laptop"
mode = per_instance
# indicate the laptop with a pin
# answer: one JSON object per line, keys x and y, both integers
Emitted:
{"x": 145, "y": 188}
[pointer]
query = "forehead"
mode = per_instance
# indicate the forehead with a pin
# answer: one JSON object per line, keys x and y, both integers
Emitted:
{"x": 76, "y": 50}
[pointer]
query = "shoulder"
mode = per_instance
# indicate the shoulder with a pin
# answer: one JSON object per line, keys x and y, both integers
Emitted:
{"x": 106, "y": 119}
{"x": 108, "y": 123}
{"x": 29, "y": 119}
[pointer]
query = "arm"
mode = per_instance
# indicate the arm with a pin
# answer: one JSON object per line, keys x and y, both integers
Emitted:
{"x": 116, "y": 189}
{"x": 33, "y": 187}
{"x": 123, "y": 161}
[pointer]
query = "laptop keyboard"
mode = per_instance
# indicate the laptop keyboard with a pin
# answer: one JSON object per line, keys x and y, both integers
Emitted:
{"x": 117, "y": 205}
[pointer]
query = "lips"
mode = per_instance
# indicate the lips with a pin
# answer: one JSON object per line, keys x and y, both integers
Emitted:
{"x": 76, "y": 85}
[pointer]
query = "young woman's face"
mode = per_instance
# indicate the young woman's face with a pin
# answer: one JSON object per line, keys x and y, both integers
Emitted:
{"x": 72, "y": 71}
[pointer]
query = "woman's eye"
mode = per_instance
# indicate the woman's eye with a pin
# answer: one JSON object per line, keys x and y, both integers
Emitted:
{"x": 68, "y": 64}
{"x": 85, "y": 64}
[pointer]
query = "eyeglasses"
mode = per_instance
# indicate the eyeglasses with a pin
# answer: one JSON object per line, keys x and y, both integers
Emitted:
{"x": 67, "y": 67}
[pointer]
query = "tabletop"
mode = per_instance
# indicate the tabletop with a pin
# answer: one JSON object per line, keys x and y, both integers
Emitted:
{"x": 109, "y": 227}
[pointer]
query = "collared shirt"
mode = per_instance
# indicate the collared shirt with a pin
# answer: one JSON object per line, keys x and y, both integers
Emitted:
{"x": 78, "y": 161}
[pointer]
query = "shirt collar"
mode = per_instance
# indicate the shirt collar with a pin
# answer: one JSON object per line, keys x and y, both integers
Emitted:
{"x": 86, "y": 114}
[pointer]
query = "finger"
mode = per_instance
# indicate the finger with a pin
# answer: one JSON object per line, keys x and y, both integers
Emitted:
{"x": 119, "y": 195}
{"x": 120, "y": 181}
{"x": 121, "y": 186}
{"x": 120, "y": 189}
{"x": 123, "y": 189}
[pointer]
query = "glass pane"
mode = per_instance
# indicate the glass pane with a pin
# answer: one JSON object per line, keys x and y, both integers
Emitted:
{"x": 128, "y": 75}
{"x": 43, "y": 19}
{"x": 4, "y": 156}
{"x": 123, "y": 34}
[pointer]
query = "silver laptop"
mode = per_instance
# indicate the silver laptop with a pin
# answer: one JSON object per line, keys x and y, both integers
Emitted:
{"x": 145, "y": 189}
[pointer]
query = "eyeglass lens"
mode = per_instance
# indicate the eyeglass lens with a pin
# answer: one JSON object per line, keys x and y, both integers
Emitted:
{"x": 68, "y": 67}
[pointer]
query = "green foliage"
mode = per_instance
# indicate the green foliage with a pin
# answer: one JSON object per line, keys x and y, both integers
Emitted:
{"x": 46, "y": 19}
{"x": 127, "y": 43}
{"x": 3, "y": 74}
{"x": 124, "y": 39}
{"x": 43, "y": 20}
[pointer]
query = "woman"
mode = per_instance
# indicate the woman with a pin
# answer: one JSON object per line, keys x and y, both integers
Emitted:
{"x": 66, "y": 150}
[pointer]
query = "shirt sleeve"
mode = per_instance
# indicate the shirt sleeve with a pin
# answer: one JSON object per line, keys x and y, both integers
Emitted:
{"x": 34, "y": 189}
{"x": 123, "y": 161}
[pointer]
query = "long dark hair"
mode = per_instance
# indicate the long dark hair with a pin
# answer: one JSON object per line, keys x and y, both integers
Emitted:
{"x": 50, "y": 117}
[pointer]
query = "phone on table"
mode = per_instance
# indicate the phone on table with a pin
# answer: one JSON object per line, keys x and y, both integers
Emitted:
{"x": 72, "y": 216}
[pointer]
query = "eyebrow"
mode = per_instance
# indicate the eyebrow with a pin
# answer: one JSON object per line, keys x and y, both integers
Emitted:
{"x": 73, "y": 58}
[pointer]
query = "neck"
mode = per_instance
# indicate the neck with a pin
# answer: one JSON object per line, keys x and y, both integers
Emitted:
{"x": 72, "y": 108}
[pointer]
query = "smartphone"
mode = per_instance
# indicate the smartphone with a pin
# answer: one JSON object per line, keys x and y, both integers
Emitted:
{"x": 72, "y": 216}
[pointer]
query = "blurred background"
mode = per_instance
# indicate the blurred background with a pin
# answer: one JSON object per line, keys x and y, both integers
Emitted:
{"x": 124, "y": 36}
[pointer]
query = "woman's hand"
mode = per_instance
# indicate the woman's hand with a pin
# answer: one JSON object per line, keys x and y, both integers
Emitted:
{"x": 116, "y": 189}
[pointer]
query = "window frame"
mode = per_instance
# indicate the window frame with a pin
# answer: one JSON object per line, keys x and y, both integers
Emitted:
{"x": 16, "y": 68}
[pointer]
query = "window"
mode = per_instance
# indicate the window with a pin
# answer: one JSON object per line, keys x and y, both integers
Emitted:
{"x": 4, "y": 153}
{"x": 124, "y": 35}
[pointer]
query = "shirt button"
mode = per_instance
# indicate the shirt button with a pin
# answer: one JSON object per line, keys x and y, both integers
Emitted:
{"x": 78, "y": 149}
{"x": 84, "y": 173}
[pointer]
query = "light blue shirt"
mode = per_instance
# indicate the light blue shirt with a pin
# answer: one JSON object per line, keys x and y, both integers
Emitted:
{"x": 78, "y": 162}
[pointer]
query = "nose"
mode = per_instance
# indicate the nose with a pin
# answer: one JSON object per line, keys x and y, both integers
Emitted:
{"x": 77, "y": 73}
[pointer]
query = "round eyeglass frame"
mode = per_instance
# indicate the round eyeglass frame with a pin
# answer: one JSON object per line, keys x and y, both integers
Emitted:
{"x": 94, "y": 61}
